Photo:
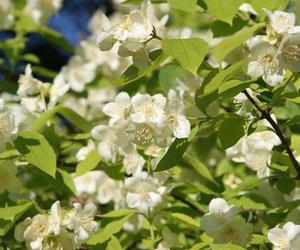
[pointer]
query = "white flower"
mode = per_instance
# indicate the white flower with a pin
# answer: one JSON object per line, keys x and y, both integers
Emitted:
{"x": 108, "y": 190}
{"x": 82, "y": 222}
{"x": 280, "y": 21}
{"x": 133, "y": 162}
{"x": 58, "y": 89}
{"x": 136, "y": 26}
{"x": 78, "y": 73}
{"x": 169, "y": 240}
{"x": 232, "y": 180}
{"x": 6, "y": 14}
{"x": 41, "y": 10}
{"x": 243, "y": 102}
{"x": 84, "y": 151}
{"x": 264, "y": 62}
{"x": 63, "y": 240}
{"x": 219, "y": 213}
{"x": 148, "y": 109}
{"x": 287, "y": 237}
{"x": 119, "y": 109}
{"x": 111, "y": 140}
{"x": 40, "y": 227}
{"x": 88, "y": 182}
{"x": 247, "y": 7}
{"x": 176, "y": 120}
{"x": 8, "y": 128}
{"x": 255, "y": 151}
{"x": 222, "y": 224}
{"x": 30, "y": 86}
{"x": 143, "y": 192}
{"x": 289, "y": 50}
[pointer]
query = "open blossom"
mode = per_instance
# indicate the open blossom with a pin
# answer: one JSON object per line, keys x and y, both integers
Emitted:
{"x": 255, "y": 151}
{"x": 148, "y": 109}
{"x": 82, "y": 221}
{"x": 176, "y": 120}
{"x": 8, "y": 127}
{"x": 6, "y": 14}
{"x": 143, "y": 192}
{"x": 41, "y": 10}
{"x": 119, "y": 109}
{"x": 135, "y": 29}
{"x": 58, "y": 89}
{"x": 280, "y": 21}
{"x": 133, "y": 162}
{"x": 287, "y": 237}
{"x": 83, "y": 152}
{"x": 289, "y": 49}
{"x": 222, "y": 223}
{"x": 264, "y": 62}
{"x": 111, "y": 140}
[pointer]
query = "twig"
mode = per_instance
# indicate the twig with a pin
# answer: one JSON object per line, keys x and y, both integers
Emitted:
{"x": 191, "y": 205}
{"x": 277, "y": 130}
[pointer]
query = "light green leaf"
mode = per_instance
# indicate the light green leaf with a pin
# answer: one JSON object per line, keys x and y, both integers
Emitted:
{"x": 200, "y": 168}
{"x": 186, "y": 219}
{"x": 175, "y": 152}
{"x": 114, "y": 244}
{"x": 187, "y": 5}
{"x": 231, "y": 88}
{"x": 229, "y": 136}
{"x": 118, "y": 213}
{"x": 295, "y": 142}
{"x": 75, "y": 118}
{"x": 37, "y": 151}
{"x": 225, "y": 247}
{"x": 268, "y": 4}
{"x": 234, "y": 41}
{"x": 108, "y": 230}
{"x": 133, "y": 74}
{"x": 90, "y": 162}
{"x": 223, "y": 10}
{"x": 188, "y": 52}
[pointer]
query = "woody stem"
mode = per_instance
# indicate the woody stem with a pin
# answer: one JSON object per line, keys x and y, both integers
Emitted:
{"x": 277, "y": 130}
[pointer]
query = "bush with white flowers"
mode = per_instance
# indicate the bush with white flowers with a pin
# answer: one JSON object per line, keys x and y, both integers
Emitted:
{"x": 174, "y": 125}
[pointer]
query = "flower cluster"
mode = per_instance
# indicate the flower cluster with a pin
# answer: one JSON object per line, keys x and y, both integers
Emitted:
{"x": 255, "y": 150}
{"x": 60, "y": 229}
{"x": 278, "y": 50}
{"x": 131, "y": 34}
{"x": 222, "y": 223}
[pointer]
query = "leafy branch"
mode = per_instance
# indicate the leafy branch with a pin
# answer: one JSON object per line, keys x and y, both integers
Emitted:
{"x": 267, "y": 116}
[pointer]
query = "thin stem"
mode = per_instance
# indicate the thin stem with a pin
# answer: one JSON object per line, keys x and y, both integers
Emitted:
{"x": 186, "y": 202}
{"x": 277, "y": 130}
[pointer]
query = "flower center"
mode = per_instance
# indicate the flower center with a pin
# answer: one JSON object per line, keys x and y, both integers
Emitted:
{"x": 144, "y": 135}
{"x": 292, "y": 52}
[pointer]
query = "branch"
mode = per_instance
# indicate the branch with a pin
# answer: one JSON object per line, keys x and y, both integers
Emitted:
{"x": 189, "y": 204}
{"x": 277, "y": 130}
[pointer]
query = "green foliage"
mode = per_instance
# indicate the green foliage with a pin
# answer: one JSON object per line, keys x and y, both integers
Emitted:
{"x": 188, "y": 52}
{"x": 89, "y": 163}
{"x": 188, "y": 6}
{"x": 37, "y": 151}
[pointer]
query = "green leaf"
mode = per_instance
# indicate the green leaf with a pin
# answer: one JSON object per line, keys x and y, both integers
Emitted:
{"x": 90, "y": 162}
{"x": 133, "y": 74}
{"x": 295, "y": 142}
{"x": 231, "y": 88}
{"x": 225, "y": 247}
{"x": 9, "y": 154}
{"x": 186, "y": 219}
{"x": 37, "y": 151}
{"x": 111, "y": 228}
{"x": 118, "y": 213}
{"x": 231, "y": 130}
{"x": 175, "y": 152}
{"x": 251, "y": 201}
{"x": 223, "y": 10}
{"x": 75, "y": 118}
{"x": 234, "y": 41}
{"x": 67, "y": 180}
{"x": 207, "y": 93}
{"x": 114, "y": 244}
{"x": 168, "y": 75}
{"x": 268, "y": 4}
{"x": 200, "y": 168}
{"x": 188, "y": 52}
{"x": 187, "y": 5}
{"x": 8, "y": 215}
